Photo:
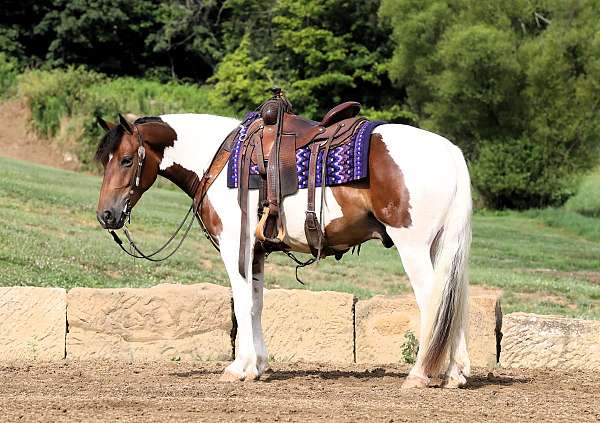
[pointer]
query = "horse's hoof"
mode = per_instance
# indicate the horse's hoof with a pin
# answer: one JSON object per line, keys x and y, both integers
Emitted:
{"x": 229, "y": 376}
{"x": 454, "y": 382}
{"x": 251, "y": 376}
{"x": 413, "y": 381}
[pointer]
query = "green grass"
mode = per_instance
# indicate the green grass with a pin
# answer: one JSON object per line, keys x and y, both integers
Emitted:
{"x": 545, "y": 261}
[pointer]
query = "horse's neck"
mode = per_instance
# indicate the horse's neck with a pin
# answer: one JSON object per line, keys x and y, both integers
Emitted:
{"x": 185, "y": 179}
{"x": 198, "y": 139}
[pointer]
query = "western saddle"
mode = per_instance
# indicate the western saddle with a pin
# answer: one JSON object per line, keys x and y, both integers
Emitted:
{"x": 270, "y": 143}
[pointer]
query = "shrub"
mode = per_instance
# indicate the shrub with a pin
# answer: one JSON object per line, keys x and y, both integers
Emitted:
{"x": 410, "y": 347}
{"x": 587, "y": 199}
{"x": 68, "y": 101}
{"x": 54, "y": 95}
{"x": 519, "y": 173}
{"x": 8, "y": 74}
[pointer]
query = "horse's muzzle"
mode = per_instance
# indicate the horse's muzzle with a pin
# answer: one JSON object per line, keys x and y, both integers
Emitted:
{"x": 111, "y": 218}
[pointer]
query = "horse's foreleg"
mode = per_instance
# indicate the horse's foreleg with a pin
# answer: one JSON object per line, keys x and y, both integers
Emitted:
{"x": 250, "y": 356}
{"x": 258, "y": 282}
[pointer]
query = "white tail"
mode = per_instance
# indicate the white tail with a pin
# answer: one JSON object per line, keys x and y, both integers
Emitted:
{"x": 450, "y": 296}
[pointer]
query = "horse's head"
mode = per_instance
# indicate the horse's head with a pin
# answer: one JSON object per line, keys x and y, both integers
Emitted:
{"x": 130, "y": 154}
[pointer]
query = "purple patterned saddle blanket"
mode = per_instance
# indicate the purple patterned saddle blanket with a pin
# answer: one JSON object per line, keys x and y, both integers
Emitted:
{"x": 345, "y": 163}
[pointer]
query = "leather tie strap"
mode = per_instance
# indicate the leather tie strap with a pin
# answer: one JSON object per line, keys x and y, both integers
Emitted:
{"x": 312, "y": 228}
{"x": 243, "y": 201}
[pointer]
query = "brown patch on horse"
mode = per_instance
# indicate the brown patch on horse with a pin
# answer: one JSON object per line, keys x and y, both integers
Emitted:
{"x": 390, "y": 199}
{"x": 357, "y": 224}
{"x": 211, "y": 219}
{"x": 367, "y": 205}
{"x": 187, "y": 180}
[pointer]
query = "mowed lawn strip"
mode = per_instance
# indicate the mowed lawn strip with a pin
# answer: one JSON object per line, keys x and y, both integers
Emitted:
{"x": 543, "y": 261}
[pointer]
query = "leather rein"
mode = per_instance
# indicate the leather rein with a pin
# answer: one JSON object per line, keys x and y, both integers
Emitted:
{"x": 201, "y": 185}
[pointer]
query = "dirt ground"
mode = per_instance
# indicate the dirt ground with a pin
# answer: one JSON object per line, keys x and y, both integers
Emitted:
{"x": 74, "y": 391}
{"x": 18, "y": 141}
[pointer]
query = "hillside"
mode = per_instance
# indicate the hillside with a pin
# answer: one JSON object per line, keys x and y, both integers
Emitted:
{"x": 19, "y": 141}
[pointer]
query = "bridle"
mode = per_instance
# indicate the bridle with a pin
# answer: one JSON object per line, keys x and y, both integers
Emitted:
{"x": 195, "y": 207}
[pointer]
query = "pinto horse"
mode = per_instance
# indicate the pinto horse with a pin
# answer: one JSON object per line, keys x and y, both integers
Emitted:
{"x": 417, "y": 197}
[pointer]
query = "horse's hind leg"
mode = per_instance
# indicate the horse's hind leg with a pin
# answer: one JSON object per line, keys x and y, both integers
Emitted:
{"x": 415, "y": 254}
{"x": 459, "y": 367}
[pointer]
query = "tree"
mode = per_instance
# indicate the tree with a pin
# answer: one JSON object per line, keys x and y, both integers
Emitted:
{"x": 320, "y": 51}
{"x": 511, "y": 82}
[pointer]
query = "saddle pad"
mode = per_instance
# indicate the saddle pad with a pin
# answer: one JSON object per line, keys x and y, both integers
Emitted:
{"x": 345, "y": 163}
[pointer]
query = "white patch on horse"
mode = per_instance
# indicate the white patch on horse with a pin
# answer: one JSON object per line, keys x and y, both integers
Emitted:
{"x": 294, "y": 207}
{"x": 110, "y": 156}
{"x": 194, "y": 149}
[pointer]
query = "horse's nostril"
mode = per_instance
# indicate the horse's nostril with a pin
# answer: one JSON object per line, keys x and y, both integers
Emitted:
{"x": 107, "y": 216}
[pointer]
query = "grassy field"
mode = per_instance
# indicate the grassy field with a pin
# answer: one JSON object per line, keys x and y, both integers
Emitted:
{"x": 545, "y": 261}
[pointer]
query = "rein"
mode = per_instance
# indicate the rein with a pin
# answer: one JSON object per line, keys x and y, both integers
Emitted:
{"x": 203, "y": 185}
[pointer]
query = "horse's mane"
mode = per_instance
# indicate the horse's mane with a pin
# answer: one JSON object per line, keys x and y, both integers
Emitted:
{"x": 109, "y": 142}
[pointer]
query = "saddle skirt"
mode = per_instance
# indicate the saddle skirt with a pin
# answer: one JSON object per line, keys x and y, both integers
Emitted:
{"x": 346, "y": 163}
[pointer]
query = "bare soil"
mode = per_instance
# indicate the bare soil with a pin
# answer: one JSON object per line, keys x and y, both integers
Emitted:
{"x": 92, "y": 391}
{"x": 18, "y": 141}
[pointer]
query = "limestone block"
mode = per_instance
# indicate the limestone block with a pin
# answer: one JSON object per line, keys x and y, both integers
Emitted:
{"x": 533, "y": 341}
{"x": 308, "y": 326}
{"x": 165, "y": 322}
{"x": 32, "y": 323}
{"x": 382, "y": 323}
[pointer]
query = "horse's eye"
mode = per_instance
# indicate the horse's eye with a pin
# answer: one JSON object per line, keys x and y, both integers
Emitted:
{"x": 126, "y": 161}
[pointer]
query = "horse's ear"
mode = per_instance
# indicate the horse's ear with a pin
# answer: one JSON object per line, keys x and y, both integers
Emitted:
{"x": 104, "y": 124}
{"x": 125, "y": 124}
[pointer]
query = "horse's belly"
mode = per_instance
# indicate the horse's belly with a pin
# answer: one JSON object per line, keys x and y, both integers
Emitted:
{"x": 295, "y": 207}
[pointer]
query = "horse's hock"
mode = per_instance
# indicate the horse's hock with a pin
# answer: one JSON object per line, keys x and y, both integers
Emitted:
{"x": 195, "y": 322}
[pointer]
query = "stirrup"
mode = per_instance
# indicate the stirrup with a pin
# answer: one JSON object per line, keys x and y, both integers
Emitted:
{"x": 260, "y": 228}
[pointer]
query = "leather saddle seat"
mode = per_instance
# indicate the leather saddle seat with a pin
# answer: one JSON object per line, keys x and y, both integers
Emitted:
{"x": 305, "y": 131}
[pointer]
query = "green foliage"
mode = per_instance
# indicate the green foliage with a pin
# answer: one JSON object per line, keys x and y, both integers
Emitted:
{"x": 320, "y": 52}
{"x": 186, "y": 34}
{"x": 177, "y": 39}
{"x": 587, "y": 199}
{"x": 504, "y": 171}
{"x": 410, "y": 347}
{"x": 8, "y": 75}
{"x": 54, "y": 95}
{"x": 513, "y": 83}
{"x": 242, "y": 80}
{"x": 75, "y": 96}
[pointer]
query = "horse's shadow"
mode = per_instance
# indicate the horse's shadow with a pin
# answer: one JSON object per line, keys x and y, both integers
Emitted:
{"x": 482, "y": 381}
{"x": 475, "y": 382}
{"x": 331, "y": 374}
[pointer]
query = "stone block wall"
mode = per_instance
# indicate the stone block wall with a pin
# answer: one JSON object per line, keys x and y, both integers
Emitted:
{"x": 165, "y": 322}
{"x": 383, "y": 322}
{"x": 32, "y": 323}
{"x": 533, "y": 341}
{"x": 194, "y": 322}
{"x": 309, "y": 326}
